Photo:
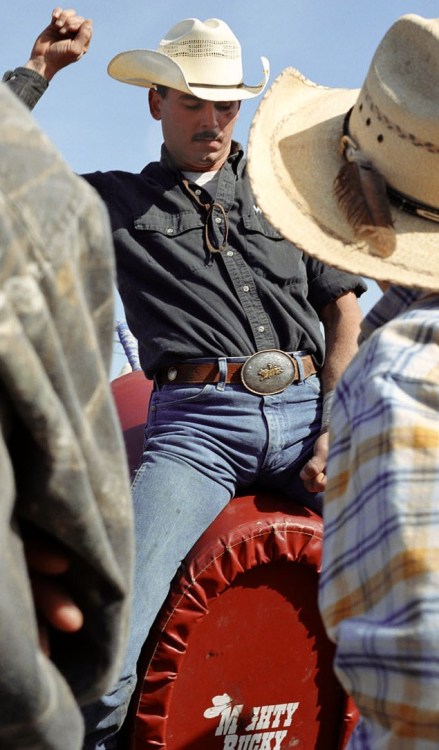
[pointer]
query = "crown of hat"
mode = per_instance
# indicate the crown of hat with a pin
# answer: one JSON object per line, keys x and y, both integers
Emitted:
{"x": 202, "y": 58}
{"x": 396, "y": 117}
{"x": 203, "y": 50}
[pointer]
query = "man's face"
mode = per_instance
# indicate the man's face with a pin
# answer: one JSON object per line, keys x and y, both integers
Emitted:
{"x": 197, "y": 133}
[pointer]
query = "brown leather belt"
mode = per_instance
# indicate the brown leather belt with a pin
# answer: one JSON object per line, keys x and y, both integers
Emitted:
{"x": 264, "y": 373}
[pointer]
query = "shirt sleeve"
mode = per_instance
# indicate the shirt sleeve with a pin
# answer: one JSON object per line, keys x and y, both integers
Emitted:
{"x": 327, "y": 284}
{"x": 26, "y": 84}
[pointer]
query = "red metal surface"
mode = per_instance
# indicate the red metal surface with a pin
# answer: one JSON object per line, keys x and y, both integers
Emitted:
{"x": 238, "y": 658}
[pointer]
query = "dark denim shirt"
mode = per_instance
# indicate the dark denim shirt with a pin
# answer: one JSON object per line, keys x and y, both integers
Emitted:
{"x": 208, "y": 282}
{"x": 199, "y": 282}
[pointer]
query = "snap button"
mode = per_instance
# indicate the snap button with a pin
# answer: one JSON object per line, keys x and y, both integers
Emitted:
{"x": 172, "y": 373}
{"x": 169, "y": 230}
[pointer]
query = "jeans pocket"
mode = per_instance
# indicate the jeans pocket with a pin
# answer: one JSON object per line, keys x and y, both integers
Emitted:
{"x": 313, "y": 382}
{"x": 173, "y": 395}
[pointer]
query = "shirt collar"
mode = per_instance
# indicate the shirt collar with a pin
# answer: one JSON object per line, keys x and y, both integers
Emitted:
{"x": 166, "y": 160}
{"x": 393, "y": 302}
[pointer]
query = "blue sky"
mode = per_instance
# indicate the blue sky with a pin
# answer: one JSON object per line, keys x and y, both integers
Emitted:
{"x": 99, "y": 123}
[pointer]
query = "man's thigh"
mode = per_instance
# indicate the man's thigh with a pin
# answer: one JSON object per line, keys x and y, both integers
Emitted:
{"x": 173, "y": 504}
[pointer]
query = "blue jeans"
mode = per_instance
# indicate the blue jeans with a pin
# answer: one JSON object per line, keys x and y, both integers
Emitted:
{"x": 202, "y": 442}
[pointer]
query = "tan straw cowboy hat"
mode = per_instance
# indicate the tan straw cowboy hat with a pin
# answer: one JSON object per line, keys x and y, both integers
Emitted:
{"x": 352, "y": 176}
{"x": 202, "y": 58}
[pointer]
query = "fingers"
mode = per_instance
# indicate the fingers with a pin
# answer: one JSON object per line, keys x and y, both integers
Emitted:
{"x": 316, "y": 484}
{"x": 313, "y": 473}
{"x": 44, "y": 559}
{"x": 55, "y": 605}
{"x": 64, "y": 41}
{"x": 313, "y": 476}
{"x": 67, "y": 22}
{"x": 83, "y": 37}
{"x": 61, "y": 18}
{"x": 312, "y": 469}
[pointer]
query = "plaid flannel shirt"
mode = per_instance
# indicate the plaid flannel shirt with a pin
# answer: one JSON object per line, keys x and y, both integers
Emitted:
{"x": 63, "y": 469}
{"x": 379, "y": 590}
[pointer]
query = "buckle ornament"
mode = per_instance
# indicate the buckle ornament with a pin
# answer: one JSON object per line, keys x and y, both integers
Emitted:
{"x": 268, "y": 372}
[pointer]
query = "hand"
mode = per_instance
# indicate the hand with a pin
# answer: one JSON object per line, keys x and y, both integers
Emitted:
{"x": 64, "y": 41}
{"x": 313, "y": 473}
{"x": 54, "y": 606}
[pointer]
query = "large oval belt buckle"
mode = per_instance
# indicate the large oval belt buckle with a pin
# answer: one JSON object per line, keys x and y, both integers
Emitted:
{"x": 269, "y": 372}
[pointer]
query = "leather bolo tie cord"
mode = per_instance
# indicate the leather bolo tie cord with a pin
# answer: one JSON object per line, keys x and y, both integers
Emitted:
{"x": 209, "y": 208}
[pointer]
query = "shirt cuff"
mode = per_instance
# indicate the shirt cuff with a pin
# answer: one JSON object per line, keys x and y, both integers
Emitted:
{"x": 27, "y": 84}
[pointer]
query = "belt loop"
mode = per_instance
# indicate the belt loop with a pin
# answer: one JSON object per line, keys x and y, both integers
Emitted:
{"x": 222, "y": 367}
{"x": 298, "y": 360}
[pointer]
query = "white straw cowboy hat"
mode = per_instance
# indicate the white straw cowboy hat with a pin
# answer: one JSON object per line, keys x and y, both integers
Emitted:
{"x": 202, "y": 58}
{"x": 322, "y": 174}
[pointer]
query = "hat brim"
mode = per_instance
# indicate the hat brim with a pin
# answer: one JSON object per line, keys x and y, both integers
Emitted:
{"x": 293, "y": 159}
{"x": 147, "y": 68}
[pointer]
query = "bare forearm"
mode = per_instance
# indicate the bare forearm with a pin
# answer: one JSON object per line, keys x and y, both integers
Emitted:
{"x": 341, "y": 320}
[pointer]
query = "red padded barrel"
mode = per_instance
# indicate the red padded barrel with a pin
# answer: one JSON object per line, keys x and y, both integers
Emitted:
{"x": 131, "y": 393}
{"x": 238, "y": 658}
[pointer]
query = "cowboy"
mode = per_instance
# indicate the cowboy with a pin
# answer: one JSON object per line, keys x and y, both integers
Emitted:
{"x": 359, "y": 173}
{"x": 227, "y": 313}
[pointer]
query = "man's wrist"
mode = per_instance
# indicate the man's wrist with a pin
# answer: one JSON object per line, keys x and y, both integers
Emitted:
{"x": 41, "y": 66}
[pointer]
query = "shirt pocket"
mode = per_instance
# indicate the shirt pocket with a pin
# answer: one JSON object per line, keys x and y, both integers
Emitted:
{"x": 270, "y": 255}
{"x": 175, "y": 241}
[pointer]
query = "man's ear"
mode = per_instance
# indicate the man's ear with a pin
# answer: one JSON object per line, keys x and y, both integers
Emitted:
{"x": 155, "y": 104}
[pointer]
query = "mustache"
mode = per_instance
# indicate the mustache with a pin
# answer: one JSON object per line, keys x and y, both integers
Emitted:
{"x": 206, "y": 135}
